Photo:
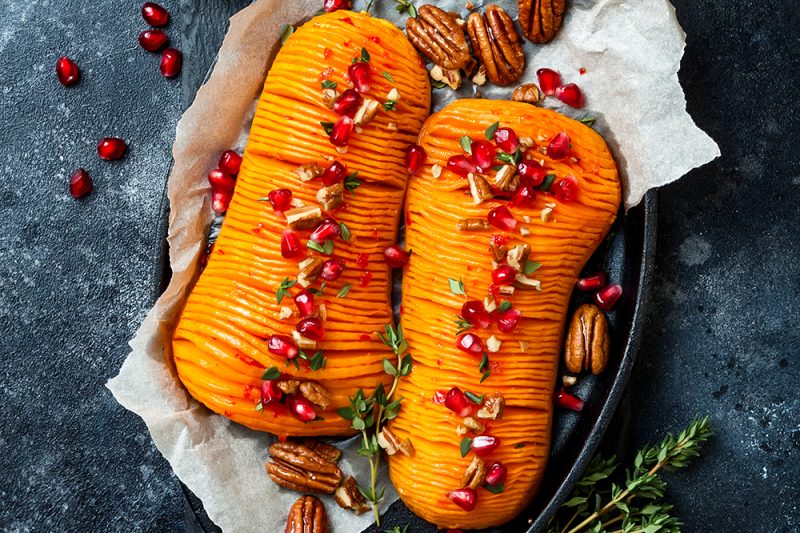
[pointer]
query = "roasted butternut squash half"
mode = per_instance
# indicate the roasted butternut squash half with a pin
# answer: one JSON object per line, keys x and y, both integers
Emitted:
{"x": 237, "y": 348}
{"x": 494, "y": 263}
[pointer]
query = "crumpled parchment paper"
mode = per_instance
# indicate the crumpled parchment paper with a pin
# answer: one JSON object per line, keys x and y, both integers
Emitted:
{"x": 631, "y": 52}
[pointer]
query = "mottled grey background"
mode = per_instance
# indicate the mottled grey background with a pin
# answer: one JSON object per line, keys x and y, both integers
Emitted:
{"x": 77, "y": 277}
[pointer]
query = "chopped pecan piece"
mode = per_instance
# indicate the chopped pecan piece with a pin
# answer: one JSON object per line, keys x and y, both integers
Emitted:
{"x": 310, "y": 269}
{"x": 474, "y": 474}
{"x": 528, "y": 93}
{"x": 588, "y": 343}
{"x": 304, "y": 343}
{"x": 450, "y": 77}
{"x": 473, "y": 424}
{"x": 479, "y": 78}
{"x": 331, "y": 197}
{"x": 524, "y": 282}
{"x": 329, "y": 97}
{"x": 438, "y": 36}
{"x": 349, "y": 497}
{"x": 472, "y": 224}
{"x": 497, "y": 44}
{"x": 492, "y": 407}
{"x": 479, "y": 188}
{"x": 309, "y": 171}
{"x": 518, "y": 255}
{"x": 506, "y": 290}
{"x": 307, "y": 515}
{"x": 489, "y": 304}
{"x": 541, "y": 19}
{"x": 367, "y": 111}
{"x": 305, "y": 217}
{"x": 507, "y": 179}
{"x": 315, "y": 393}
{"x": 288, "y": 386}
{"x": 298, "y": 467}
{"x": 389, "y": 441}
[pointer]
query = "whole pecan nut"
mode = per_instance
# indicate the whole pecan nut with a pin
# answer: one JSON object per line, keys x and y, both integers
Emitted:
{"x": 301, "y": 468}
{"x": 588, "y": 341}
{"x": 437, "y": 36}
{"x": 497, "y": 44}
{"x": 541, "y": 19}
{"x": 307, "y": 515}
{"x": 315, "y": 393}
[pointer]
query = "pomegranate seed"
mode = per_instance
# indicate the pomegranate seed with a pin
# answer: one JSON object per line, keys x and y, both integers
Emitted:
{"x": 438, "y": 397}
{"x": 507, "y": 320}
{"x": 360, "y": 75}
{"x": 270, "y": 392}
{"x": 470, "y": 343}
{"x": 153, "y": 40}
{"x": 457, "y": 401}
{"x": 593, "y": 282}
{"x": 220, "y": 180}
{"x": 395, "y": 256}
{"x": 415, "y": 158}
{"x": 506, "y": 139}
{"x": 304, "y": 300}
{"x": 155, "y": 15}
{"x": 559, "y": 146}
{"x": 301, "y": 408}
{"x": 568, "y": 401}
{"x": 524, "y": 196}
{"x": 483, "y": 445}
{"x": 549, "y": 80}
{"x": 607, "y": 297}
{"x": 461, "y": 165}
{"x": 496, "y": 474}
{"x": 501, "y": 217}
{"x": 220, "y": 200}
{"x": 329, "y": 6}
{"x": 171, "y": 62}
{"x": 230, "y": 162}
{"x": 280, "y": 199}
{"x": 290, "y": 244}
{"x": 340, "y": 134}
{"x": 473, "y": 312}
{"x": 332, "y": 269}
{"x": 566, "y": 189}
{"x": 529, "y": 170}
{"x": 282, "y": 345}
{"x": 311, "y": 328}
{"x": 570, "y": 94}
{"x": 334, "y": 174}
{"x": 465, "y": 498}
{"x": 327, "y": 229}
{"x": 484, "y": 153}
{"x": 80, "y": 184}
{"x": 504, "y": 275}
{"x": 67, "y": 71}
{"x": 348, "y": 103}
{"x": 111, "y": 148}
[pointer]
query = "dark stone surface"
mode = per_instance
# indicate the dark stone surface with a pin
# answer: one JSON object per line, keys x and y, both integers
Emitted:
{"x": 77, "y": 277}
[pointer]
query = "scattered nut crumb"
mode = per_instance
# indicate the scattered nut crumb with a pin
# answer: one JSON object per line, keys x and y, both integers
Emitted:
{"x": 569, "y": 381}
{"x": 393, "y": 95}
{"x": 493, "y": 344}
{"x": 323, "y": 312}
{"x": 524, "y": 231}
{"x": 545, "y": 214}
{"x": 341, "y": 149}
{"x": 489, "y": 304}
{"x": 285, "y": 313}
{"x": 436, "y": 171}
{"x": 523, "y": 346}
{"x": 392, "y": 126}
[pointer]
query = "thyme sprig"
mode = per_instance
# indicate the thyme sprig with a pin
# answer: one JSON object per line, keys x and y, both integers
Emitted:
{"x": 599, "y": 505}
{"x": 367, "y": 414}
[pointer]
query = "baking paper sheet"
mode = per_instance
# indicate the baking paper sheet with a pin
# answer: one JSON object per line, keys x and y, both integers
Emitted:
{"x": 631, "y": 52}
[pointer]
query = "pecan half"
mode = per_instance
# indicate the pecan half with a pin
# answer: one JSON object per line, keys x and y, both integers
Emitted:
{"x": 541, "y": 19}
{"x": 307, "y": 515}
{"x": 328, "y": 451}
{"x": 588, "y": 341}
{"x": 474, "y": 474}
{"x": 438, "y": 36}
{"x": 497, "y": 44}
{"x": 298, "y": 467}
{"x": 315, "y": 393}
{"x": 349, "y": 497}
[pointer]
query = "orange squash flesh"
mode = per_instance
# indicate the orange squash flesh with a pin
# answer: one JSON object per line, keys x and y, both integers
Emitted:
{"x": 220, "y": 343}
{"x": 523, "y": 373}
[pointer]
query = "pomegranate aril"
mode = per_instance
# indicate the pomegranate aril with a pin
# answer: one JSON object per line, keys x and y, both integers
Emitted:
{"x": 283, "y": 346}
{"x": 330, "y": 6}
{"x": 335, "y": 173}
{"x": 304, "y": 300}
{"x": 220, "y": 180}
{"x": 528, "y": 170}
{"x": 462, "y": 165}
{"x": 415, "y": 158}
{"x": 504, "y": 275}
{"x": 506, "y": 139}
{"x": 438, "y": 397}
{"x": 395, "y": 256}
{"x": 470, "y": 343}
{"x": 301, "y": 408}
{"x": 281, "y": 199}
{"x": 496, "y": 474}
{"x": 332, "y": 269}
{"x": 111, "y": 148}
{"x": 473, "y": 312}
{"x": 291, "y": 246}
{"x": 220, "y": 200}
{"x": 67, "y": 71}
{"x": 155, "y": 15}
{"x": 570, "y": 94}
{"x": 507, "y": 320}
{"x": 549, "y": 80}
{"x": 593, "y": 282}
{"x": 270, "y": 392}
{"x": 524, "y": 196}
{"x": 568, "y": 401}
{"x": 230, "y": 162}
{"x": 311, "y": 328}
{"x": 608, "y": 296}
{"x": 483, "y": 153}
{"x": 501, "y": 217}
{"x": 484, "y": 445}
{"x": 361, "y": 76}
{"x": 559, "y": 146}
{"x": 465, "y": 498}
{"x": 171, "y": 62}
{"x": 348, "y": 103}
{"x": 80, "y": 184}
{"x": 341, "y": 131}
{"x": 327, "y": 229}
{"x": 565, "y": 189}
{"x": 153, "y": 40}
{"x": 457, "y": 401}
